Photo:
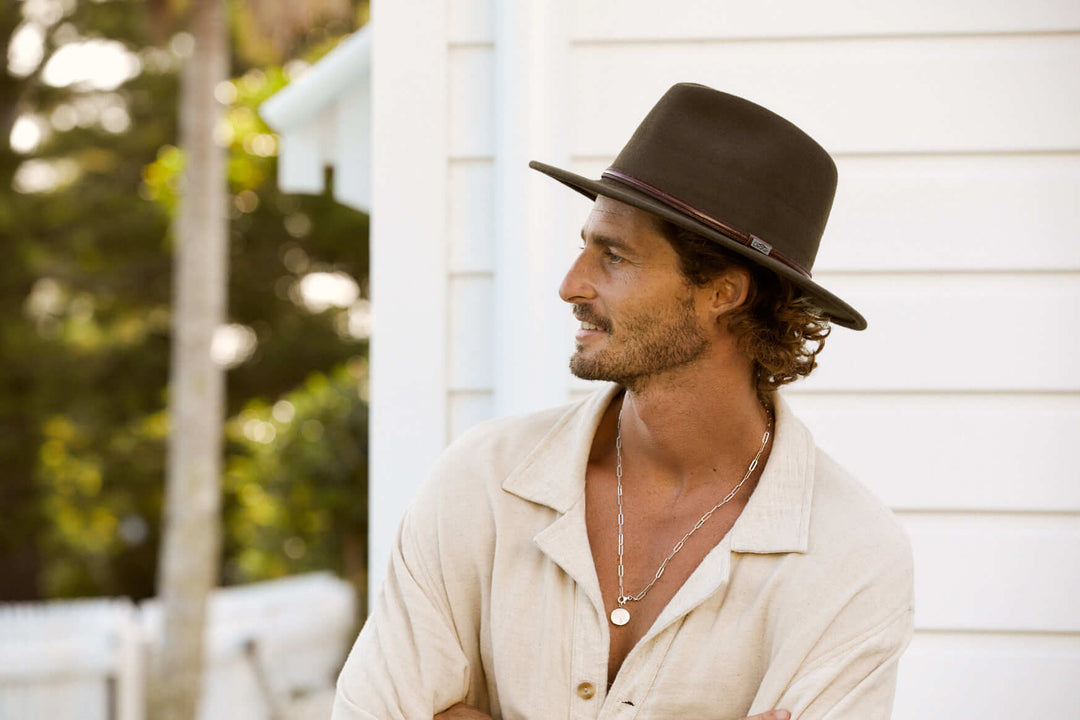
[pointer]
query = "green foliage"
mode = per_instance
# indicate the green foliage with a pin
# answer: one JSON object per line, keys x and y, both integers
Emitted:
{"x": 161, "y": 178}
{"x": 96, "y": 532}
{"x": 296, "y": 480}
{"x": 85, "y": 284}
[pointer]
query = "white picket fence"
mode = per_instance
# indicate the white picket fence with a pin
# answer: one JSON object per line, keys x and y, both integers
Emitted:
{"x": 274, "y": 650}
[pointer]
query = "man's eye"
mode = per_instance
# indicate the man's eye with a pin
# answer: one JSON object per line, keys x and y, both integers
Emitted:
{"x": 613, "y": 258}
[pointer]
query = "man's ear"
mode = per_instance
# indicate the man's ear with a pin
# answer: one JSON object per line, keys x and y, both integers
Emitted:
{"x": 730, "y": 289}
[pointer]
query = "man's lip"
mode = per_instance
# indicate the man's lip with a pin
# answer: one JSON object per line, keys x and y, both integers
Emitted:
{"x": 589, "y": 330}
{"x": 587, "y": 318}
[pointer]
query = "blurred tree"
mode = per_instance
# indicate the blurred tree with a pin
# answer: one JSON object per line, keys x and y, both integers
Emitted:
{"x": 189, "y": 558}
{"x": 188, "y": 561}
{"x": 88, "y": 174}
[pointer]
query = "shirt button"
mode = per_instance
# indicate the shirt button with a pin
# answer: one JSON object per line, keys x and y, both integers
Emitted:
{"x": 586, "y": 691}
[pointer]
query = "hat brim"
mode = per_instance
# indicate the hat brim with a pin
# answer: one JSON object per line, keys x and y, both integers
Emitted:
{"x": 838, "y": 311}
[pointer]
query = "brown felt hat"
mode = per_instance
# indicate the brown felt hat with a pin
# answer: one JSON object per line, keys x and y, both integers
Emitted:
{"x": 733, "y": 172}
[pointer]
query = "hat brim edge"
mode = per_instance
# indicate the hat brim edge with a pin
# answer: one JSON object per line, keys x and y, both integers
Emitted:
{"x": 838, "y": 311}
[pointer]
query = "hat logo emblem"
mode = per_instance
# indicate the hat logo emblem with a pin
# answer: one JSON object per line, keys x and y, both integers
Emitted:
{"x": 760, "y": 245}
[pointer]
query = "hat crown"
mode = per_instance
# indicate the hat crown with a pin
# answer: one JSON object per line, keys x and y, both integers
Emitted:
{"x": 737, "y": 163}
{"x": 735, "y": 173}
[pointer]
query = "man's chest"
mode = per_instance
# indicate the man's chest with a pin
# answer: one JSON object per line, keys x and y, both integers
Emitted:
{"x": 550, "y": 643}
{"x": 662, "y": 543}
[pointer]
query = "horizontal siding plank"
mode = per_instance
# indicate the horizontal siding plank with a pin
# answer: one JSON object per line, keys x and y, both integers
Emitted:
{"x": 471, "y": 88}
{"x": 854, "y": 96}
{"x": 680, "y": 19}
{"x": 942, "y": 213}
{"x": 472, "y": 216}
{"x": 964, "y": 213}
{"x": 990, "y": 677}
{"x": 953, "y": 452}
{"x": 955, "y": 333}
{"x": 471, "y": 342}
{"x": 996, "y": 572}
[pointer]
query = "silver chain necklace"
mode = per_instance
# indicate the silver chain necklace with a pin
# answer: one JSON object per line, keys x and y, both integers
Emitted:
{"x": 620, "y": 615}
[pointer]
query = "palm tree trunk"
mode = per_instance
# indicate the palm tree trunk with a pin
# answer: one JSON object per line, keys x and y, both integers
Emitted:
{"x": 190, "y": 549}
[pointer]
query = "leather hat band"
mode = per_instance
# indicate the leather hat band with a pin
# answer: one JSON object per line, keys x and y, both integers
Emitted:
{"x": 750, "y": 241}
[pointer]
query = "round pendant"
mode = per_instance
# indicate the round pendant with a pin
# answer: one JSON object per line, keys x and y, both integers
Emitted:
{"x": 620, "y": 616}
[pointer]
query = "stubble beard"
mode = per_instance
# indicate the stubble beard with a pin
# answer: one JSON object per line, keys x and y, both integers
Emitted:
{"x": 649, "y": 347}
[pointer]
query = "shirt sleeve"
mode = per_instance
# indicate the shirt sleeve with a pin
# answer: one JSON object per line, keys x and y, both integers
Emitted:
{"x": 839, "y": 647}
{"x": 408, "y": 661}
{"x": 856, "y": 679}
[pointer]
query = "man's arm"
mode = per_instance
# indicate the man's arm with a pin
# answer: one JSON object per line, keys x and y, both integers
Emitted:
{"x": 838, "y": 657}
{"x": 408, "y": 660}
{"x": 856, "y": 679}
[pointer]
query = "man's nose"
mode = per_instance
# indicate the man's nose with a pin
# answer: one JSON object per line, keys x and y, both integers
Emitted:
{"x": 575, "y": 286}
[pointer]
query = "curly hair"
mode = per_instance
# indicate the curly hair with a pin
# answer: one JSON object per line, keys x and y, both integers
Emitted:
{"x": 777, "y": 327}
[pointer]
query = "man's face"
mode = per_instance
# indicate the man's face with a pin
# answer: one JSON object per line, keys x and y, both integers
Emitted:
{"x": 639, "y": 314}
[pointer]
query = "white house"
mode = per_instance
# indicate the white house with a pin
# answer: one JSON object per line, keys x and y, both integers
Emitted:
{"x": 956, "y": 230}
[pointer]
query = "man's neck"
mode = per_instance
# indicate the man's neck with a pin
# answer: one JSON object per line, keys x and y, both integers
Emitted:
{"x": 700, "y": 428}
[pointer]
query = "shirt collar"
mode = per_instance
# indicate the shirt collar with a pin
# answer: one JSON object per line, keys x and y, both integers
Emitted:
{"x": 775, "y": 520}
{"x": 553, "y": 474}
{"x": 777, "y": 517}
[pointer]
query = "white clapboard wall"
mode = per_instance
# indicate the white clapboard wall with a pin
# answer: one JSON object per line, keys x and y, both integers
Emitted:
{"x": 956, "y": 230}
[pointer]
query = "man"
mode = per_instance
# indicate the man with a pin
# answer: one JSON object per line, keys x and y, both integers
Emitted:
{"x": 674, "y": 546}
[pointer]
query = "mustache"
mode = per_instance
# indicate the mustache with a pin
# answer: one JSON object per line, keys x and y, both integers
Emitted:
{"x": 583, "y": 314}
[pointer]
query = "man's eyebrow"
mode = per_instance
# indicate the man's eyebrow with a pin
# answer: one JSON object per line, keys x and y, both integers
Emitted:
{"x": 606, "y": 241}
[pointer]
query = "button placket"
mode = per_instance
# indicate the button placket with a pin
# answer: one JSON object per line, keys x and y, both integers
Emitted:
{"x": 638, "y": 673}
{"x": 589, "y": 666}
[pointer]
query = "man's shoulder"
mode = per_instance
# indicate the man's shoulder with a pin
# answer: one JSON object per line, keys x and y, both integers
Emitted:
{"x": 510, "y": 438}
{"x": 846, "y": 510}
{"x": 836, "y": 513}
{"x": 493, "y": 449}
{"x": 464, "y": 487}
{"x": 512, "y": 435}
{"x": 854, "y": 535}
{"x": 851, "y": 590}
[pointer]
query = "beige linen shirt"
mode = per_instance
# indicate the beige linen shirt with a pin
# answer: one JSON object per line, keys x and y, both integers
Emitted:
{"x": 492, "y": 597}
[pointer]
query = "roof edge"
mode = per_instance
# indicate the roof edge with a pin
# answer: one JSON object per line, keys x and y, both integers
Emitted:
{"x": 308, "y": 95}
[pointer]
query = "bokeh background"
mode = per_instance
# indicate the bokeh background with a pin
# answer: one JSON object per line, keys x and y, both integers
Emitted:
{"x": 89, "y": 173}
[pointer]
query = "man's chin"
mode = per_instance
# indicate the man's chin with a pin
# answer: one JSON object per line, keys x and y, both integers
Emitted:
{"x": 582, "y": 368}
{"x": 589, "y": 369}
